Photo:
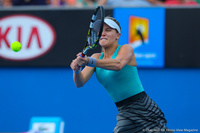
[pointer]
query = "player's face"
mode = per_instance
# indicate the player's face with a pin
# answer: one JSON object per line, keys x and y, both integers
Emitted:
{"x": 109, "y": 36}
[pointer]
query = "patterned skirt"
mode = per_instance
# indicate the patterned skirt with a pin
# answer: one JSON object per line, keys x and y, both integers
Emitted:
{"x": 140, "y": 114}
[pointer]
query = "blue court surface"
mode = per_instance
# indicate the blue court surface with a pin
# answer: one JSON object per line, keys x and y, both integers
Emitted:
{"x": 29, "y": 92}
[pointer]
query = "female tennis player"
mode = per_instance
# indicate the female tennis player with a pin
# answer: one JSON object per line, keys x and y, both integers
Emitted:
{"x": 116, "y": 70}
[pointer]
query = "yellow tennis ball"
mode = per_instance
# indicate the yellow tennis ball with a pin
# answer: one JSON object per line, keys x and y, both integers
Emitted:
{"x": 16, "y": 46}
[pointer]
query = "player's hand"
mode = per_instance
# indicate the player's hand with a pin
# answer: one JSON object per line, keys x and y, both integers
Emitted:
{"x": 74, "y": 65}
{"x": 82, "y": 61}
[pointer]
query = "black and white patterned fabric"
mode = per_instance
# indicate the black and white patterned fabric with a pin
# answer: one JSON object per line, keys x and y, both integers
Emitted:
{"x": 140, "y": 115}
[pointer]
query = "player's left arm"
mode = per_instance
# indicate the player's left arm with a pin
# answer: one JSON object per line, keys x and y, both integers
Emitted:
{"x": 124, "y": 56}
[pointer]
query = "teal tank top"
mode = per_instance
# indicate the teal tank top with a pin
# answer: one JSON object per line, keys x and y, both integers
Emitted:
{"x": 119, "y": 84}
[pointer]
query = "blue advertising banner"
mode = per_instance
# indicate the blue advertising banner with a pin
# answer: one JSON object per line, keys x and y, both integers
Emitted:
{"x": 143, "y": 29}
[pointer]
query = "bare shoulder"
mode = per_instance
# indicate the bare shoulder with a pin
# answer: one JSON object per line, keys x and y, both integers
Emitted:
{"x": 127, "y": 47}
{"x": 96, "y": 55}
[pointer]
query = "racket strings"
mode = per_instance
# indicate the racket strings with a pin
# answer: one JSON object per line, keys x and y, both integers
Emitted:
{"x": 95, "y": 29}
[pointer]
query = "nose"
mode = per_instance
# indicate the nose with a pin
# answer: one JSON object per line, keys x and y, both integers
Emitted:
{"x": 103, "y": 33}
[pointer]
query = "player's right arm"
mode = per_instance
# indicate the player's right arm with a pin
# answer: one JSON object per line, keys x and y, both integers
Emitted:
{"x": 82, "y": 77}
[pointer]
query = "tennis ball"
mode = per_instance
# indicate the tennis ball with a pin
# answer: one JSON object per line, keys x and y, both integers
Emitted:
{"x": 16, "y": 46}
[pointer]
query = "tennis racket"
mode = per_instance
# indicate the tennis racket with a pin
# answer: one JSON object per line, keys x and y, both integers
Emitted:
{"x": 95, "y": 30}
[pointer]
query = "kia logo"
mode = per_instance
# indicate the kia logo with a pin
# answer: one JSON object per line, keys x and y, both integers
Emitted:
{"x": 35, "y": 34}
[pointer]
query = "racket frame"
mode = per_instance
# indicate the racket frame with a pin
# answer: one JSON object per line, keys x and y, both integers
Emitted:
{"x": 91, "y": 46}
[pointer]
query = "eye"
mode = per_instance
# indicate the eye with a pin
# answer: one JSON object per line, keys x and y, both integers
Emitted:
{"x": 109, "y": 29}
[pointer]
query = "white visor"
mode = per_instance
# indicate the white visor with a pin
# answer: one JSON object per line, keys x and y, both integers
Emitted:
{"x": 112, "y": 24}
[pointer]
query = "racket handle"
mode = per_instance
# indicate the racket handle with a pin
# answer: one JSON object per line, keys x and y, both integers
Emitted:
{"x": 82, "y": 55}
